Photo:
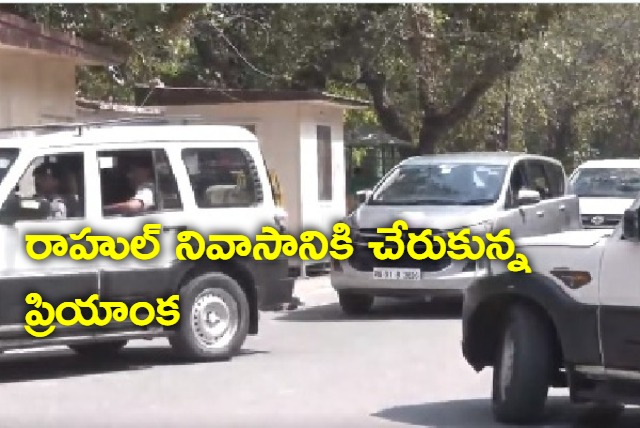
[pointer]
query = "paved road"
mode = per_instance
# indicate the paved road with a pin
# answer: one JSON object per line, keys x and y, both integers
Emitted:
{"x": 308, "y": 368}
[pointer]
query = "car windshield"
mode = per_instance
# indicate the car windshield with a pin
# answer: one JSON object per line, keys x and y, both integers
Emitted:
{"x": 7, "y": 158}
{"x": 606, "y": 182}
{"x": 445, "y": 183}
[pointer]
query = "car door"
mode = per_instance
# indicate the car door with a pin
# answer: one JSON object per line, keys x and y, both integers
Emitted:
{"x": 131, "y": 280}
{"x": 56, "y": 279}
{"x": 546, "y": 211}
{"x": 521, "y": 220}
{"x": 566, "y": 208}
{"x": 620, "y": 303}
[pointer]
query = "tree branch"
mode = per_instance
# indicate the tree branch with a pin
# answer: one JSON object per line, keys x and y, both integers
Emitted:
{"x": 492, "y": 70}
{"x": 387, "y": 114}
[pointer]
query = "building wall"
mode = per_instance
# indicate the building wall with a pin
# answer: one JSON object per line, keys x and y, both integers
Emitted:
{"x": 35, "y": 89}
{"x": 319, "y": 214}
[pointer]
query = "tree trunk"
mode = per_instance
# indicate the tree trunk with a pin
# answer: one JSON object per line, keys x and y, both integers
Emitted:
{"x": 561, "y": 136}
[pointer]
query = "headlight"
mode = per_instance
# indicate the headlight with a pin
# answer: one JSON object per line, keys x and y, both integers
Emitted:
{"x": 482, "y": 228}
{"x": 479, "y": 229}
{"x": 281, "y": 218}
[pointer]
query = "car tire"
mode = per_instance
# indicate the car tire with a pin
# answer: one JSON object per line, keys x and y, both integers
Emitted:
{"x": 99, "y": 349}
{"x": 214, "y": 318}
{"x": 523, "y": 364}
{"x": 355, "y": 304}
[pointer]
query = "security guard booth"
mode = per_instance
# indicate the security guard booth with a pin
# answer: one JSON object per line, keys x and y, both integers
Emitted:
{"x": 369, "y": 155}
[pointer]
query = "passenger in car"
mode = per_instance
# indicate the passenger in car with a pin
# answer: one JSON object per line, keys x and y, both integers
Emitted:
{"x": 140, "y": 176}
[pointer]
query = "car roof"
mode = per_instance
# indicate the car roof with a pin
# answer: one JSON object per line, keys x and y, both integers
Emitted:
{"x": 132, "y": 134}
{"x": 492, "y": 158}
{"x": 611, "y": 163}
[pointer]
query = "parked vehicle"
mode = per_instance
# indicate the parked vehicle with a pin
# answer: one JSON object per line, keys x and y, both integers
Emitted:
{"x": 606, "y": 188}
{"x": 481, "y": 191}
{"x": 574, "y": 322}
{"x": 207, "y": 179}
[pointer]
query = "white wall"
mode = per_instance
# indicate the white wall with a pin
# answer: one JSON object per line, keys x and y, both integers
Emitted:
{"x": 35, "y": 89}
{"x": 318, "y": 214}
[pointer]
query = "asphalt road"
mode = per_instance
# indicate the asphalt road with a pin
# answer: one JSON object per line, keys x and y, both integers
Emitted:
{"x": 310, "y": 367}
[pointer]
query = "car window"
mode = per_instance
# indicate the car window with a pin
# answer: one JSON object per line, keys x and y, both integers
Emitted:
{"x": 518, "y": 180}
{"x": 606, "y": 182}
{"x": 145, "y": 175}
{"x": 441, "y": 183}
{"x": 7, "y": 158}
{"x": 537, "y": 178}
{"x": 556, "y": 176}
{"x": 222, "y": 177}
{"x": 54, "y": 181}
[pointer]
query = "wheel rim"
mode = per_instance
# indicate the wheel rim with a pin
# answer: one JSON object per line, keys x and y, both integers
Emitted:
{"x": 214, "y": 318}
{"x": 506, "y": 364}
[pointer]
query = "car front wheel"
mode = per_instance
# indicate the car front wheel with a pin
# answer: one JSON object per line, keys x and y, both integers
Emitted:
{"x": 214, "y": 318}
{"x": 523, "y": 364}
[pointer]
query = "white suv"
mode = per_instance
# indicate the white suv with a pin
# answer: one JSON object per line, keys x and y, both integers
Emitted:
{"x": 606, "y": 187}
{"x": 204, "y": 178}
{"x": 574, "y": 322}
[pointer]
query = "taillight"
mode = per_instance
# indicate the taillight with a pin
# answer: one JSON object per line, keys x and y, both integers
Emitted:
{"x": 281, "y": 220}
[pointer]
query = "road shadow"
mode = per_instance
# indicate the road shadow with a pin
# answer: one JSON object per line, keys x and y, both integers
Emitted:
{"x": 476, "y": 413}
{"x": 60, "y": 364}
{"x": 382, "y": 311}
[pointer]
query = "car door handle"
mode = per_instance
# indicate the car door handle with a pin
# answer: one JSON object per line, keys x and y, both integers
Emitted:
{"x": 562, "y": 208}
{"x": 176, "y": 228}
{"x": 540, "y": 213}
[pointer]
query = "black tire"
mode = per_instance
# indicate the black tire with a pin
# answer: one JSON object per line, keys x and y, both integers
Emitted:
{"x": 355, "y": 304}
{"x": 520, "y": 394}
{"x": 191, "y": 335}
{"x": 99, "y": 350}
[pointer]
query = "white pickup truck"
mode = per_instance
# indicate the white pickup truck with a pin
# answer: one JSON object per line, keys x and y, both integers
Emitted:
{"x": 574, "y": 322}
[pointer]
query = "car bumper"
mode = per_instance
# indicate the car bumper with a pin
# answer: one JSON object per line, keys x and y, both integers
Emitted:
{"x": 451, "y": 281}
{"x": 273, "y": 283}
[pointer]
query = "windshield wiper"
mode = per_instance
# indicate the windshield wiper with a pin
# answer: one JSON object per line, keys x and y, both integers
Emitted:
{"x": 483, "y": 201}
{"x": 416, "y": 202}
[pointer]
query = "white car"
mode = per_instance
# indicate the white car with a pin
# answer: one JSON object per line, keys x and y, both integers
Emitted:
{"x": 574, "y": 322}
{"x": 485, "y": 192}
{"x": 206, "y": 178}
{"x": 606, "y": 187}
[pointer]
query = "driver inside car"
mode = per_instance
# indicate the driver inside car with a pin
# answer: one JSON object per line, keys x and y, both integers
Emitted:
{"x": 47, "y": 179}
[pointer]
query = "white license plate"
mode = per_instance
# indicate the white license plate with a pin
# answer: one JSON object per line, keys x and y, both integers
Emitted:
{"x": 404, "y": 274}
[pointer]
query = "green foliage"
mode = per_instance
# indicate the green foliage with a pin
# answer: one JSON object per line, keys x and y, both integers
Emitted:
{"x": 436, "y": 73}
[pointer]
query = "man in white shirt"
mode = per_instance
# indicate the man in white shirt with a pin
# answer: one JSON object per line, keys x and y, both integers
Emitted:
{"x": 141, "y": 179}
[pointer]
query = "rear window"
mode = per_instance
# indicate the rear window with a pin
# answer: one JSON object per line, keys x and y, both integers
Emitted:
{"x": 222, "y": 177}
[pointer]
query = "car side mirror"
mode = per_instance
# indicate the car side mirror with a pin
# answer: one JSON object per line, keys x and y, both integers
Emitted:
{"x": 364, "y": 195}
{"x": 528, "y": 197}
{"x": 630, "y": 221}
{"x": 10, "y": 211}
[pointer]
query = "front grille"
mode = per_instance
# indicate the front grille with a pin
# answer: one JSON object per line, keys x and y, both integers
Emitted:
{"x": 596, "y": 220}
{"x": 364, "y": 260}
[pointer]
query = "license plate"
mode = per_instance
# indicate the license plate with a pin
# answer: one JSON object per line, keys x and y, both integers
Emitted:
{"x": 400, "y": 274}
